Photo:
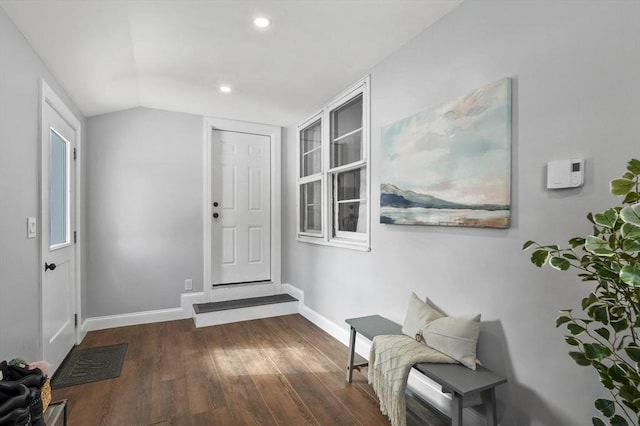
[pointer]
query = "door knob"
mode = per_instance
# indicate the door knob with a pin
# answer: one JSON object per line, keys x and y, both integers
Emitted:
{"x": 49, "y": 266}
{"x": 215, "y": 215}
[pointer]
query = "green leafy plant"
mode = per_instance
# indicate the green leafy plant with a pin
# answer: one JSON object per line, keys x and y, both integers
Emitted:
{"x": 605, "y": 334}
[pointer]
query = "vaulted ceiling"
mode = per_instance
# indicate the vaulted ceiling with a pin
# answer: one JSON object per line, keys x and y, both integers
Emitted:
{"x": 175, "y": 54}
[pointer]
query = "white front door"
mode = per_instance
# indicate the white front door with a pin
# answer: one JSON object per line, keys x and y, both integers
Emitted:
{"x": 57, "y": 227}
{"x": 241, "y": 206}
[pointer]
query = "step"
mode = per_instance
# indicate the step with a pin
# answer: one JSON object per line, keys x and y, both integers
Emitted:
{"x": 228, "y": 311}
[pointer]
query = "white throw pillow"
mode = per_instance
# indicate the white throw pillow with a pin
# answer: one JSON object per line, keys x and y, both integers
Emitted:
{"x": 419, "y": 314}
{"x": 456, "y": 337}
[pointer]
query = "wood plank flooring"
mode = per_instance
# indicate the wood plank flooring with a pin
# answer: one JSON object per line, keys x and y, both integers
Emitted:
{"x": 274, "y": 371}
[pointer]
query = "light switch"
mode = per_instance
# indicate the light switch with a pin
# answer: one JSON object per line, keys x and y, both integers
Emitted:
{"x": 32, "y": 227}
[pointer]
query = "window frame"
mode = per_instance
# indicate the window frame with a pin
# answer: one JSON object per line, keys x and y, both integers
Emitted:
{"x": 303, "y": 180}
{"x": 329, "y": 234}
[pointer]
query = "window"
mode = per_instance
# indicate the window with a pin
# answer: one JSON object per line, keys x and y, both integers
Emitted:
{"x": 59, "y": 219}
{"x": 333, "y": 172}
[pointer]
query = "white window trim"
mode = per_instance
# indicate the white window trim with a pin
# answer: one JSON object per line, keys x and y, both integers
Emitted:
{"x": 349, "y": 240}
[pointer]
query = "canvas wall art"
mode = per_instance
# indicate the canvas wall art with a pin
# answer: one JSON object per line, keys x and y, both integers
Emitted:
{"x": 450, "y": 165}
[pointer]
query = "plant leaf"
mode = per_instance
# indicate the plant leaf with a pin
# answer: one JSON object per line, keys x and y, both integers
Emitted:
{"x": 630, "y": 231}
{"x": 604, "y": 333}
{"x": 630, "y": 275}
{"x": 631, "y": 246}
{"x": 539, "y": 257}
{"x": 628, "y": 392}
{"x": 617, "y": 373}
{"x": 605, "y": 406}
{"x": 631, "y": 214}
{"x": 634, "y": 166}
{"x": 596, "y": 351}
{"x": 597, "y": 422}
{"x": 597, "y": 246}
{"x": 575, "y": 329}
{"x": 603, "y": 252}
{"x": 599, "y": 313}
{"x": 579, "y": 358}
{"x": 607, "y": 382}
{"x": 559, "y": 263}
{"x": 621, "y": 186}
{"x": 633, "y": 352}
{"x": 528, "y": 244}
{"x": 589, "y": 300}
{"x": 561, "y": 320}
{"x": 607, "y": 218}
{"x": 618, "y": 421}
{"x": 576, "y": 242}
{"x": 620, "y": 325}
{"x": 631, "y": 197}
{"x": 572, "y": 341}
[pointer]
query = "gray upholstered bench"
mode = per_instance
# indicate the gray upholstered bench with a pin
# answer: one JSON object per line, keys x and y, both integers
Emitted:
{"x": 461, "y": 382}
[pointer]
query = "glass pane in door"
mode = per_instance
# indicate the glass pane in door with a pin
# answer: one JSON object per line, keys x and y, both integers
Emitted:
{"x": 58, "y": 190}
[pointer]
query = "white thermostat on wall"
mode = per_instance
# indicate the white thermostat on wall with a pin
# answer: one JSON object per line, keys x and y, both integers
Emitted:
{"x": 565, "y": 174}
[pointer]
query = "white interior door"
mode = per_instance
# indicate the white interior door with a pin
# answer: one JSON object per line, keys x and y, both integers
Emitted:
{"x": 241, "y": 206}
{"x": 57, "y": 227}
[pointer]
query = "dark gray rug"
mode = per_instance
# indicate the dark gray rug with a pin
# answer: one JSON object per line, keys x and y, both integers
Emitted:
{"x": 90, "y": 365}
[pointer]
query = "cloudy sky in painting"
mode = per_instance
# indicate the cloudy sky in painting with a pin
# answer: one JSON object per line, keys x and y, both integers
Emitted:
{"x": 458, "y": 152}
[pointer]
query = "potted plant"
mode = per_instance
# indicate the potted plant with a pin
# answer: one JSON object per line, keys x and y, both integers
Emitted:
{"x": 605, "y": 334}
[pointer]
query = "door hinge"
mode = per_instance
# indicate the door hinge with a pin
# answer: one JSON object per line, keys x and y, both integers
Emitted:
{"x": 75, "y": 319}
{"x": 75, "y": 237}
{"x": 75, "y": 153}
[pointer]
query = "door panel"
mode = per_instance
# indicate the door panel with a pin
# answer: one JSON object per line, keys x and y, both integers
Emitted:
{"x": 58, "y": 249}
{"x": 241, "y": 232}
{"x": 255, "y": 244}
{"x": 255, "y": 189}
{"x": 229, "y": 243}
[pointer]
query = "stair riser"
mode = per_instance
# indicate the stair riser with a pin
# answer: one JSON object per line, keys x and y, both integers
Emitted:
{"x": 242, "y": 291}
{"x": 245, "y": 314}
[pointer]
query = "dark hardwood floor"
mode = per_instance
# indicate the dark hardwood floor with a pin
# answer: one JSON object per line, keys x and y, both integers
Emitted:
{"x": 275, "y": 371}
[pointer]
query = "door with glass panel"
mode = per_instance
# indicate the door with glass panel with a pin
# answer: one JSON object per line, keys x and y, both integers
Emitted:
{"x": 57, "y": 228}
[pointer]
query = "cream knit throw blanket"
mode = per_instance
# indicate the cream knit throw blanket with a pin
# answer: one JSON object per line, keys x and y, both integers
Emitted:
{"x": 390, "y": 360}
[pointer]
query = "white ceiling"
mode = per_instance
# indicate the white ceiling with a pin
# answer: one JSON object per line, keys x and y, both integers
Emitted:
{"x": 174, "y": 54}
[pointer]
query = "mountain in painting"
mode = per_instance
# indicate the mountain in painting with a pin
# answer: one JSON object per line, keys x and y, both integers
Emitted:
{"x": 392, "y": 196}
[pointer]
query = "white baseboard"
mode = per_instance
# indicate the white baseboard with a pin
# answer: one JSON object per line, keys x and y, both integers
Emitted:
{"x": 147, "y": 317}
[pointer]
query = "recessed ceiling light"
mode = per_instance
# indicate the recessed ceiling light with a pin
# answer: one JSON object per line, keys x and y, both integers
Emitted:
{"x": 261, "y": 22}
{"x": 225, "y": 89}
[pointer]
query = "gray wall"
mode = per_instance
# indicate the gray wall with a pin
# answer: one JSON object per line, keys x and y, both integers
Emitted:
{"x": 20, "y": 73}
{"x": 145, "y": 210}
{"x": 576, "y": 93}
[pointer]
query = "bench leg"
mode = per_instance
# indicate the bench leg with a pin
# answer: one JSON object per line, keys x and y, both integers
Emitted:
{"x": 352, "y": 348}
{"x": 456, "y": 409}
{"x": 491, "y": 413}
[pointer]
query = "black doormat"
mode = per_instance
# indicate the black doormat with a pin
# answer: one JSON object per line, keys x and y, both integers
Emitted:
{"x": 90, "y": 365}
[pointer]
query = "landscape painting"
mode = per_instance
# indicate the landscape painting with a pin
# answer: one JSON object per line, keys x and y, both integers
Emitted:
{"x": 450, "y": 165}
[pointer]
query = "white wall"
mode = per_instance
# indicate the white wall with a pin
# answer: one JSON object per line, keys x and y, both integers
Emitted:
{"x": 576, "y": 93}
{"x": 20, "y": 73}
{"x": 145, "y": 210}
